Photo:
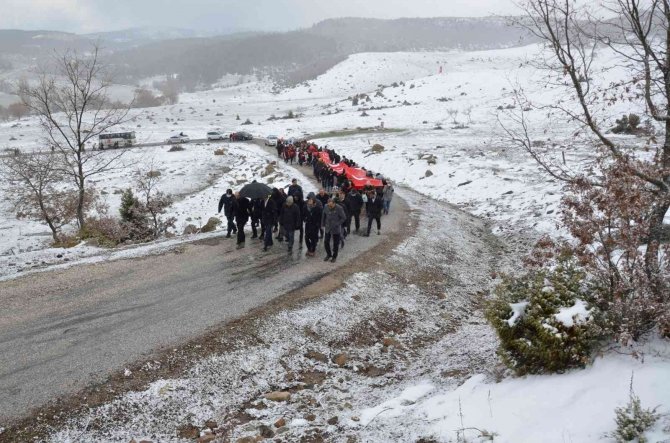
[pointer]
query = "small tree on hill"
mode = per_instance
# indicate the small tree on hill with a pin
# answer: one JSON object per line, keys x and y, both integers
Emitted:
{"x": 453, "y": 113}
{"x": 616, "y": 208}
{"x": 18, "y": 110}
{"x": 37, "y": 190}
{"x": 155, "y": 203}
{"x": 71, "y": 101}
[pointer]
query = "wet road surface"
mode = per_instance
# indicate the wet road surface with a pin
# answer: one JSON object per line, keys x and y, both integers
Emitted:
{"x": 63, "y": 330}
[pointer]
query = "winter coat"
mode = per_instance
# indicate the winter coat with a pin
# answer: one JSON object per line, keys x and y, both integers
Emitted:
{"x": 295, "y": 191}
{"x": 388, "y": 193}
{"x": 269, "y": 212}
{"x": 341, "y": 204}
{"x": 279, "y": 201}
{"x": 242, "y": 209}
{"x": 373, "y": 208}
{"x": 323, "y": 199}
{"x": 257, "y": 208}
{"x": 226, "y": 203}
{"x": 312, "y": 219}
{"x": 354, "y": 202}
{"x": 290, "y": 217}
{"x": 332, "y": 219}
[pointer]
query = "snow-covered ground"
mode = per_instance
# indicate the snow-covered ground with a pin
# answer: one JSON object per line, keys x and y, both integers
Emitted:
{"x": 196, "y": 177}
{"x": 406, "y": 358}
{"x": 442, "y": 386}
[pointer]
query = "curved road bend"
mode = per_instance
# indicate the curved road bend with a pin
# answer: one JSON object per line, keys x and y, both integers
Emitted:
{"x": 62, "y": 330}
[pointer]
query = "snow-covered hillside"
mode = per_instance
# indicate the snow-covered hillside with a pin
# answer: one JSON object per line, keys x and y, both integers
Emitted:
{"x": 436, "y": 115}
{"x": 449, "y": 143}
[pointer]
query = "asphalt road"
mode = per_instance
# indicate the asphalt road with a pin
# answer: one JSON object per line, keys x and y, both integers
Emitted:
{"x": 62, "y": 330}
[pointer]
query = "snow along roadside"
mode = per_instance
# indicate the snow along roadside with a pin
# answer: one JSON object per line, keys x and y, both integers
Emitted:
{"x": 415, "y": 315}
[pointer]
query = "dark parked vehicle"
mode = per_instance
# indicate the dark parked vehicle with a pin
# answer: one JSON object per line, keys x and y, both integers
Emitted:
{"x": 241, "y": 136}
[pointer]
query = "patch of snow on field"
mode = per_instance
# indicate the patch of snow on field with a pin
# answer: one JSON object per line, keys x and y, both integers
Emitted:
{"x": 577, "y": 406}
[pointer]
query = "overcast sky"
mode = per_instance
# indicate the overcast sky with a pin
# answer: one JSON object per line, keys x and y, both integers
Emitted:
{"x": 82, "y": 16}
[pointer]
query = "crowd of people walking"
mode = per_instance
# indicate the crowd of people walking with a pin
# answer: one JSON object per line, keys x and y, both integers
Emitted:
{"x": 326, "y": 215}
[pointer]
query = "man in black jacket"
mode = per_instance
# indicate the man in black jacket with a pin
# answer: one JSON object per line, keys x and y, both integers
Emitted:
{"x": 354, "y": 203}
{"x": 226, "y": 203}
{"x": 290, "y": 220}
{"x": 241, "y": 211}
{"x": 278, "y": 202}
{"x": 256, "y": 213}
{"x": 332, "y": 219}
{"x": 312, "y": 218}
{"x": 268, "y": 219}
{"x": 295, "y": 191}
{"x": 373, "y": 209}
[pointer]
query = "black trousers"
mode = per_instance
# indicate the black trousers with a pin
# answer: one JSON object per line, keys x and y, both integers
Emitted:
{"x": 379, "y": 222}
{"x": 311, "y": 240}
{"x": 254, "y": 226}
{"x": 231, "y": 224}
{"x": 357, "y": 221}
{"x": 336, "y": 244}
{"x": 240, "y": 230}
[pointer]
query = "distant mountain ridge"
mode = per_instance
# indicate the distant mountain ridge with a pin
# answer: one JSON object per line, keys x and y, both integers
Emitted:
{"x": 17, "y": 42}
{"x": 143, "y": 35}
{"x": 296, "y": 56}
{"x": 403, "y": 34}
{"x": 289, "y": 58}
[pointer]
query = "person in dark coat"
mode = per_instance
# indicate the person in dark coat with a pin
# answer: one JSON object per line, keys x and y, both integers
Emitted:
{"x": 279, "y": 202}
{"x": 323, "y": 197}
{"x": 290, "y": 221}
{"x": 268, "y": 220}
{"x": 226, "y": 203}
{"x": 331, "y": 220}
{"x": 312, "y": 218}
{"x": 354, "y": 203}
{"x": 387, "y": 196}
{"x": 256, "y": 213}
{"x": 373, "y": 209}
{"x": 241, "y": 211}
{"x": 339, "y": 200}
{"x": 295, "y": 191}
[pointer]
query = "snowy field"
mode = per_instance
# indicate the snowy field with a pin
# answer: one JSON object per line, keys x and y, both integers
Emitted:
{"x": 196, "y": 177}
{"x": 465, "y": 162}
{"x": 474, "y": 167}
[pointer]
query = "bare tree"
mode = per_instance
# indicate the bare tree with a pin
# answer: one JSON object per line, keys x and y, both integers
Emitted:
{"x": 453, "y": 113}
{"x": 18, "y": 110}
{"x": 640, "y": 34}
{"x": 468, "y": 113}
{"x": 72, "y": 103}
{"x": 170, "y": 89}
{"x": 154, "y": 202}
{"x": 36, "y": 193}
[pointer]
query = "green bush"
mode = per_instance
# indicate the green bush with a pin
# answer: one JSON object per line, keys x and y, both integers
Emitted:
{"x": 632, "y": 420}
{"x": 533, "y": 338}
{"x": 627, "y": 124}
{"x": 129, "y": 205}
{"x": 104, "y": 231}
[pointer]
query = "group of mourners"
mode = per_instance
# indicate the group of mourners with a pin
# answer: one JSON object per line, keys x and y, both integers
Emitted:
{"x": 326, "y": 215}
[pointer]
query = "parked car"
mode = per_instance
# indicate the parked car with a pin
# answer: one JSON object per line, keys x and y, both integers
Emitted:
{"x": 271, "y": 140}
{"x": 215, "y": 135}
{"x": 241, "y": 136}
{"x": 178, "y": 138}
